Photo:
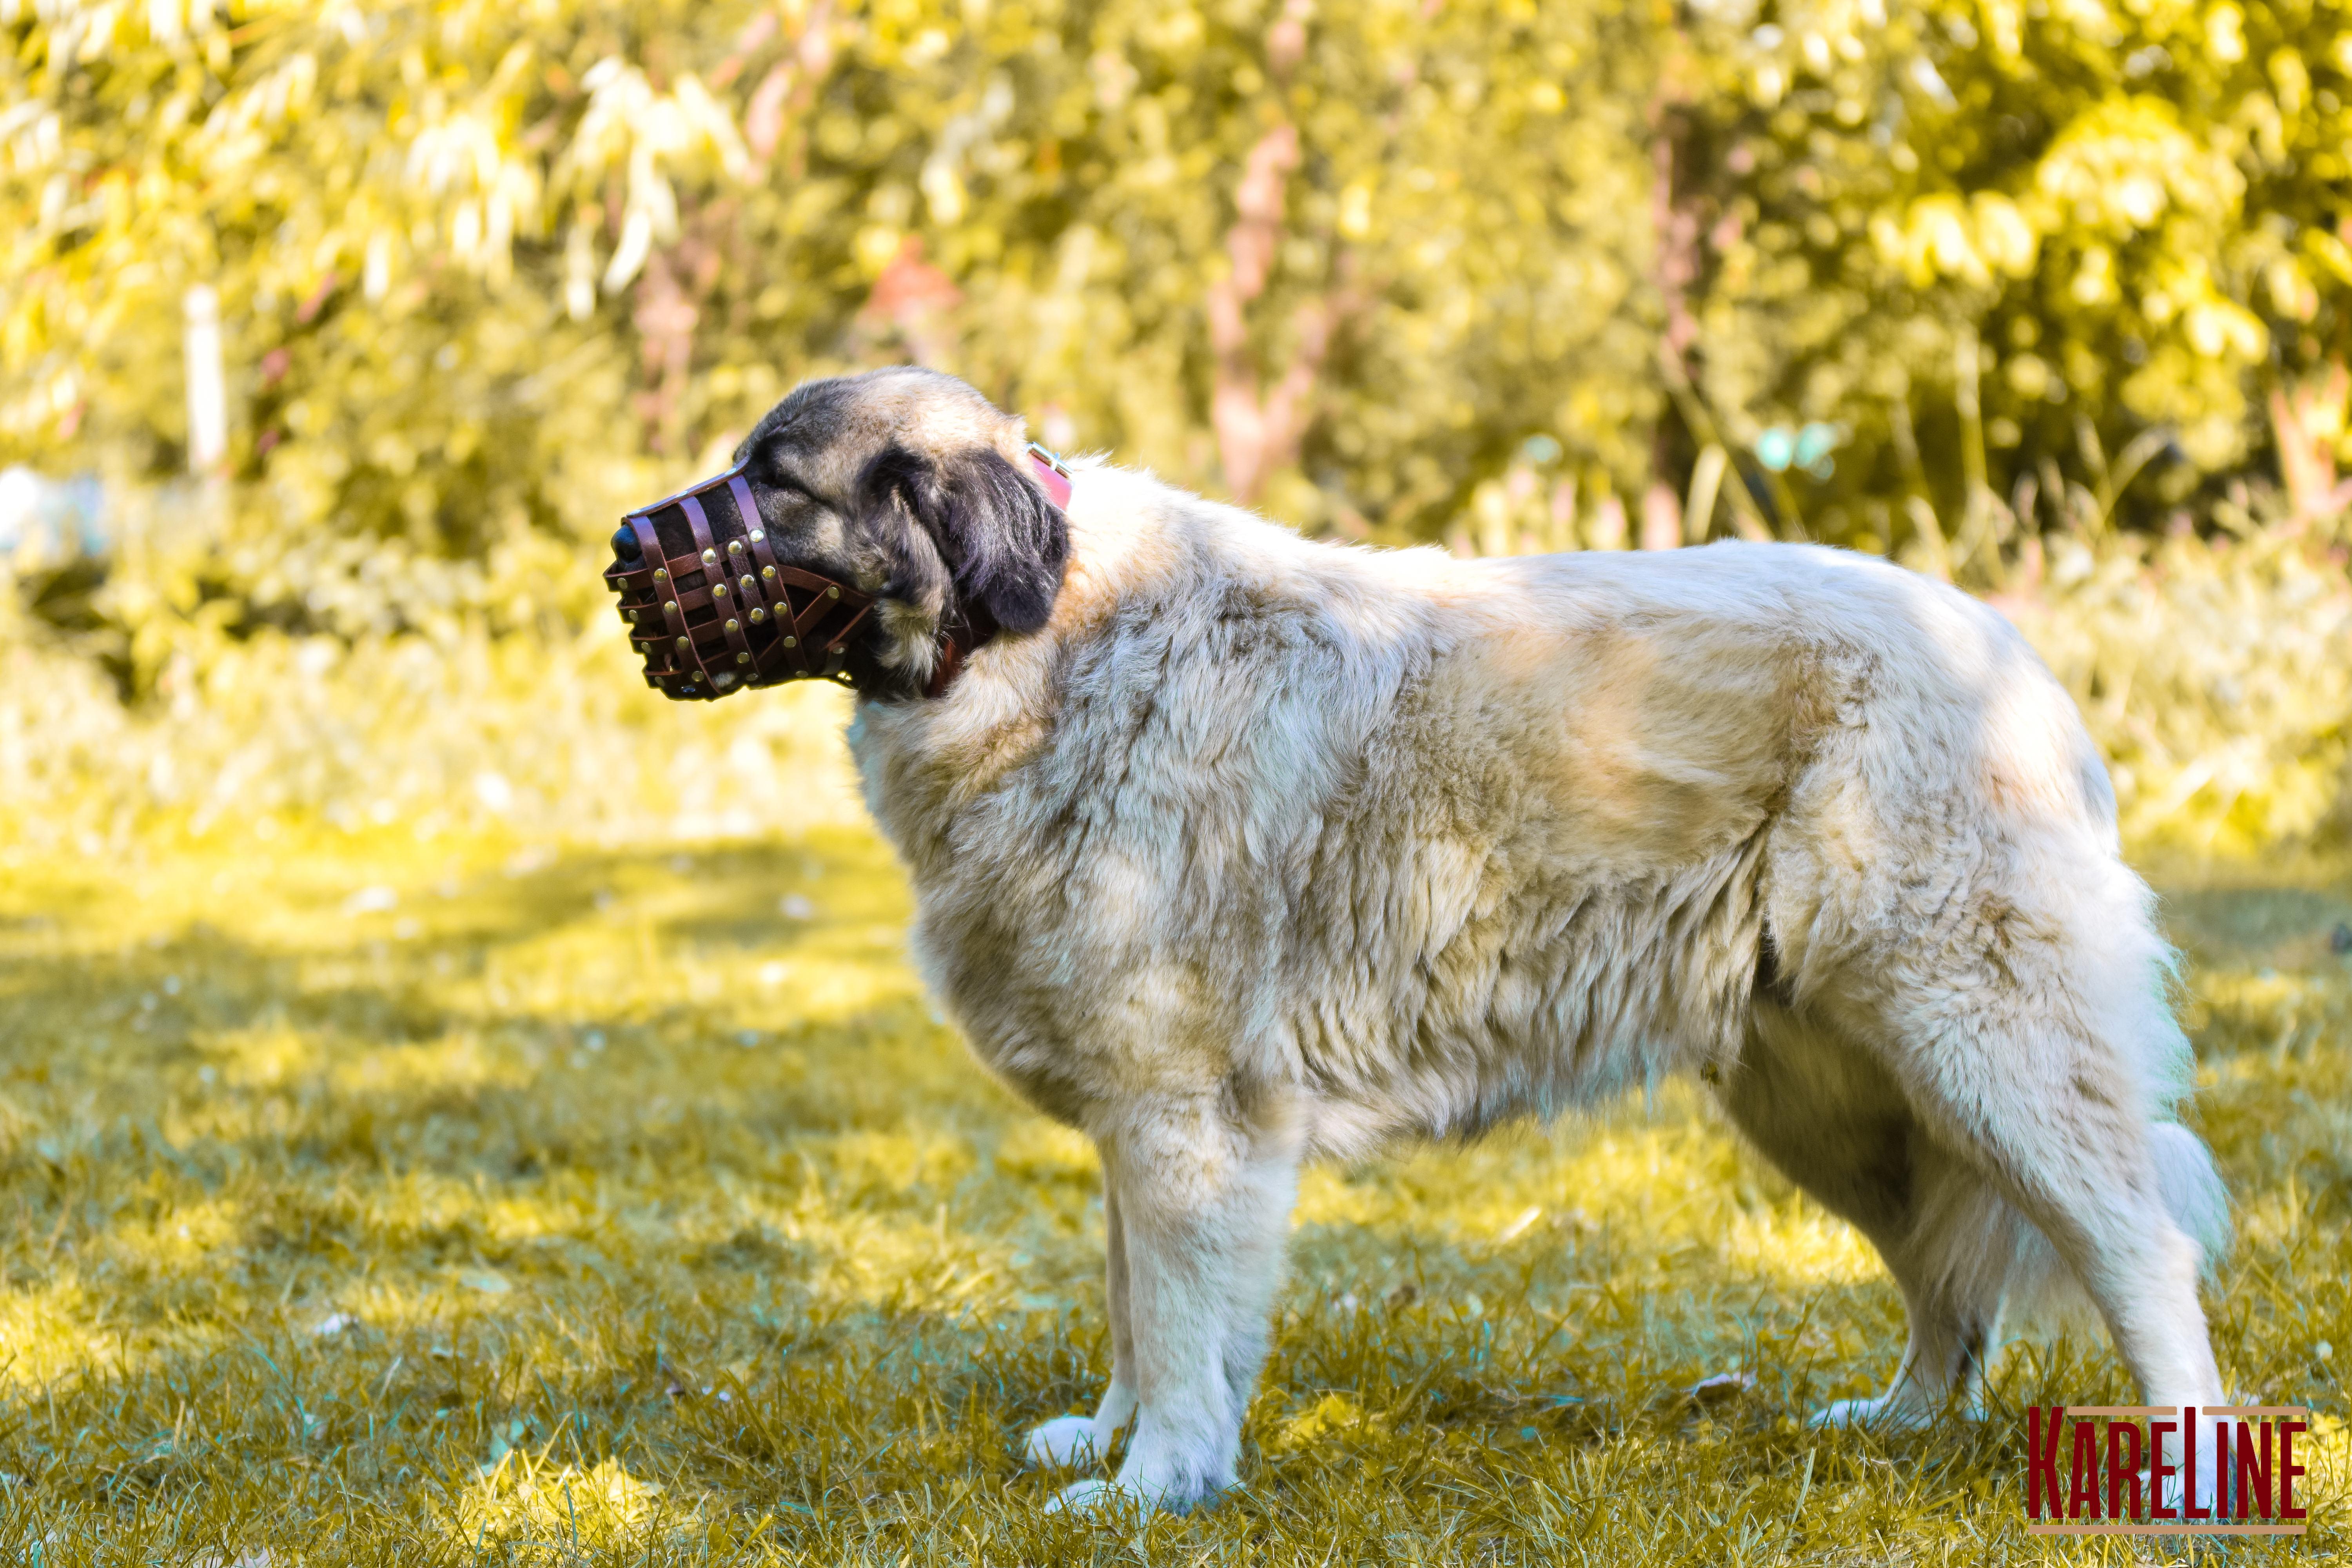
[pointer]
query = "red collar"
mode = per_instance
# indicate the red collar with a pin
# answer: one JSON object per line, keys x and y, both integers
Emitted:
{"x": 1052, "y": 476}
{"x": 1052, "y": 473}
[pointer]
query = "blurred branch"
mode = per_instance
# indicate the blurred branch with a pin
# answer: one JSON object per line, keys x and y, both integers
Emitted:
{"x": 1259, "y": 427}
{"x": 2307, "y": 420}
{"x": 2137, "y": 453}
{"x": 1748, "y": 519}
{"x": 1706, "y": 478}
{"x": 1937, "y": 561}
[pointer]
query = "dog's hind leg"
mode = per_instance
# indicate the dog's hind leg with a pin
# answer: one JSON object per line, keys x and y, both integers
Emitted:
{"x": 1832, "y": 1118}
{"x": 2036, "y": 1107}
{"x": 2035, "y": 1043}
{"x": 1203, "y": 1202}
{"x": 1069, "y": 1440}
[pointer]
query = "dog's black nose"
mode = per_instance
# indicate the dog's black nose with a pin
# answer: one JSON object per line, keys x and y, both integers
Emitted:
{"x": 626, "y": 548}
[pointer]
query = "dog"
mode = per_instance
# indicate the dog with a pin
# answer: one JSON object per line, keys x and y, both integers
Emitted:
{"x": 1233, "y": 849}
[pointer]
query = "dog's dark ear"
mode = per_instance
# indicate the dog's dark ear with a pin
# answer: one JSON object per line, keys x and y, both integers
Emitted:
{"x": 1002, "y": 541}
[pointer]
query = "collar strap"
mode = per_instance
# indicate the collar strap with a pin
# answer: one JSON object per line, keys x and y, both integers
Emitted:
{"x": 1053, "y": 477}
{"x": 1052, "y": 473}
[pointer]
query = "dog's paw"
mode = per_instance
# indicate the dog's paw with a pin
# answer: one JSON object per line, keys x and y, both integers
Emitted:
{"x": 1092, "y": 1498}
{"x": 1843, "y": 1412}
{"x": 1884, "y": 1414}
{"x": 1063, "y": 1443}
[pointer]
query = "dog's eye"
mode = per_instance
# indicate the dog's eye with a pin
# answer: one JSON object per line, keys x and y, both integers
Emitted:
{"x": 787, "y": 488}
{"x": 786, "y": 499}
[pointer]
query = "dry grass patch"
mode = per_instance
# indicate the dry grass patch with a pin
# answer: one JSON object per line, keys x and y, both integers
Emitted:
{"x": 364, "y": 1200}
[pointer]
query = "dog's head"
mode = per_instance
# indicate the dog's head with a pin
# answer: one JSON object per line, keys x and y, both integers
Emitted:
{"x": 914, "y": 488}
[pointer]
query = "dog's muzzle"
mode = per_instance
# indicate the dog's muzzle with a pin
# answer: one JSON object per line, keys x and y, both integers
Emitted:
{"x": 727, "y": 613}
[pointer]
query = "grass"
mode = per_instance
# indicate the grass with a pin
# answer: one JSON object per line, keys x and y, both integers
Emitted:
{"x": 474, "y": 1200}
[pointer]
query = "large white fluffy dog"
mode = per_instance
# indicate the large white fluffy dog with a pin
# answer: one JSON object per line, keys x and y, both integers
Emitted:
{"x": 1234, "y": 850}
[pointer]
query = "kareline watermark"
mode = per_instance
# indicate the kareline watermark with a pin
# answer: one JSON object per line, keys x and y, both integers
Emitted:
{"x": 2122, "y": 1480}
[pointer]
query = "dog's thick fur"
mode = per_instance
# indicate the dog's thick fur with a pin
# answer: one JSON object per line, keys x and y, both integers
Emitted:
{"x": 1238, "y": 849}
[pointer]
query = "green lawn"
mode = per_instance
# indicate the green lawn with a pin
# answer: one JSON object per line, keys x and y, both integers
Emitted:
{"x": 365, "y": 1200}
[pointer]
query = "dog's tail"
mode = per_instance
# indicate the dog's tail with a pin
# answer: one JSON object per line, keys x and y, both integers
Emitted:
{"x": 2042, "y": 1292}
{"x": 2192, "y": 1189}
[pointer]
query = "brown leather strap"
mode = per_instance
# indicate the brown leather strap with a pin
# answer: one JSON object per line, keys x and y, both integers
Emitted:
{"x": 785, "y": 652}
{"x": 677, "y": 649}
{"x": 716, "y": 593}
{"x": 978, "y": 629}
{"x": 760, "y": 579}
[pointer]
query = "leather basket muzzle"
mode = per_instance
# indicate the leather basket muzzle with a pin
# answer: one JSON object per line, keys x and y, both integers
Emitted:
{"x": 723, "y": 613}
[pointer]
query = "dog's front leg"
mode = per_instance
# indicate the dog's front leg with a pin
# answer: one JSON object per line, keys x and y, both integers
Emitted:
{"x": 1084, "y": 1440}
{"x": 1203, "y": 1202}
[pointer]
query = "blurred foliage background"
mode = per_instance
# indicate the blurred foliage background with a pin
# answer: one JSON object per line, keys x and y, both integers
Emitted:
{"x": 2050, "y": 298}
{"x": 454, "y": 1095}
